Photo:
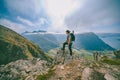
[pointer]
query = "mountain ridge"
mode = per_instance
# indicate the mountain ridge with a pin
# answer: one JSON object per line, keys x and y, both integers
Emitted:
{"x": 88, "y": 41}
{"x": 15, "y": 46}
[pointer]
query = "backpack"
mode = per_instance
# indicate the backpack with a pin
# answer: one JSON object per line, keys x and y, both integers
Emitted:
{"x": 72, "y": 37}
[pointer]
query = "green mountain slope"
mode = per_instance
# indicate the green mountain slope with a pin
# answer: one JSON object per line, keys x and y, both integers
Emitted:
{"x": 13, "y": 47}
{"x": 46, "y": 41}
{"x": 90, "y": 41}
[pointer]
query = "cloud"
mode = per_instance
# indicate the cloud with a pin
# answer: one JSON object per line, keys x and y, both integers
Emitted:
{"x": 30, "y": 8}
{"x": 25, "y": 21}
{"x": 12, "y": 25}
{"x": 59, "y": 15}
{"x": 43, "y": 21}
{"x": 58, "y": 9}
{"x": 36, "y": 24}
{"x": 94, "y": 14}
{"x": 24, "y": 25}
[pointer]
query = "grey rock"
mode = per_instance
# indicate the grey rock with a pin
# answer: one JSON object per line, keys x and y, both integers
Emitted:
{"x": 23, "y": 69}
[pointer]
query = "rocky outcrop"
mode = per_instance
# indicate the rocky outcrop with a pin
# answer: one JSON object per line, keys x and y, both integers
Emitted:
{"x": 90, "y": 74}
{"x": 23, "y": 69}
{"x": 64, "y": 67}
{"x": 78, "y": 68}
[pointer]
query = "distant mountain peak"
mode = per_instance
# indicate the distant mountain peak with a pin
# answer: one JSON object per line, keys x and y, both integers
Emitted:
{"x": 38, "y": 31}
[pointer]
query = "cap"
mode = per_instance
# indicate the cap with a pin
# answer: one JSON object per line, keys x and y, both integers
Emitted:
{"x": 68, "y": 31}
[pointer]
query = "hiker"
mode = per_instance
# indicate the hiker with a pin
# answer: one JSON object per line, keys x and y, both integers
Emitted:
{"x": 96, "y": 55}
{"x": 70, "y": 38}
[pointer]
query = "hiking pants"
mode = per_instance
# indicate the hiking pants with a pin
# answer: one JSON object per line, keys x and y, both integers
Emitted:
{"x": 69, "y": 47}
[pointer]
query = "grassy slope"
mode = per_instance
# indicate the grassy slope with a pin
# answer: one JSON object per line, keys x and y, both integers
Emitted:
{"x": 13, "y": 47}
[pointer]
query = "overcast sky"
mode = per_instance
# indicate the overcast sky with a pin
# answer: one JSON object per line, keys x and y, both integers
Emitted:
{"x": 59, "y": 15}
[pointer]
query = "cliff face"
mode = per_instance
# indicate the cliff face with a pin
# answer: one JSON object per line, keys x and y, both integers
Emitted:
{"x": 14, "y": 47}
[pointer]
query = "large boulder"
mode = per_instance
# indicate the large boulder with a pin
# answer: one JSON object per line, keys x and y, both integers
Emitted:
{"x": 23, "y": 69}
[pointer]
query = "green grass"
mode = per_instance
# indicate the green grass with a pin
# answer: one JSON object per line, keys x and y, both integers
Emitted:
{"x": 14, "y": 47}
{"x": 46, "y": 76}
{"x": 86, "y": 54}
{"x": 111, "y": 61}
